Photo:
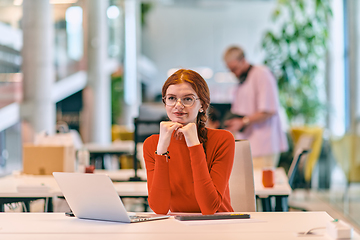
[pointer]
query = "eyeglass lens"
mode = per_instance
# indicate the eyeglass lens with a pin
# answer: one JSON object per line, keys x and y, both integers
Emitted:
{"x": 186, "y": 101}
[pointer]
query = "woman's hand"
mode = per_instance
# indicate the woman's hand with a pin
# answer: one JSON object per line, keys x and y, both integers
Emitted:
{"x": 166, "y": 130}
{"x": 190, "y": 133}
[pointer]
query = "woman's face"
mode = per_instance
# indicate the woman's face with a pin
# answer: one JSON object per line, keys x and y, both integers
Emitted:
{"x": 180, "y": 113}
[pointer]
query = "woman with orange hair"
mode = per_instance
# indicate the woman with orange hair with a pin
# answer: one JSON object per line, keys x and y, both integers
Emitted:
{"x": 188, "y": 165}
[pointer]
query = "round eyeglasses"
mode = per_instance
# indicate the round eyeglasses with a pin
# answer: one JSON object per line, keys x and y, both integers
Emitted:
{"x": 187, "y": 101}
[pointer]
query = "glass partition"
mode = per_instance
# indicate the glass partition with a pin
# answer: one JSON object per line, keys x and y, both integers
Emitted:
{"x": 10, "y": 127}
{"x": 10, "y": 88}
{"x": 10, "y": 149}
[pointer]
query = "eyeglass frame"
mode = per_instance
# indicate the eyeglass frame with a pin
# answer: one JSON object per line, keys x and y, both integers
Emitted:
{"x": 177, "y": 100}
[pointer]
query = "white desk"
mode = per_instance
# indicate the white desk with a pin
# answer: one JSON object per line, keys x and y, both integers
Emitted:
{"x": 281, "y": 186}
{"x": 122, "y": 174}
{"x": 9, "y": 192}
{"x": 276, "y": 226}
{"x": 8, "y": 187}
{"x": 280, "y": 191}
{"x": 115, "y": 148}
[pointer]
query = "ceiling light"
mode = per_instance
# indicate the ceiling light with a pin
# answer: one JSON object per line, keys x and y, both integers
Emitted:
{"x": 18, "y": 2}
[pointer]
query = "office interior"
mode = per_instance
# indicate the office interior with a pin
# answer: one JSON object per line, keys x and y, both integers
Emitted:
{"x": 95, "y": 65}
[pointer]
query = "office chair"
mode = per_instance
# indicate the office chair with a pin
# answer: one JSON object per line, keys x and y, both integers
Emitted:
{"x": 294, "y": 171}
{"x": 295, "y": 165}
{"x": 143, "y": 129}
{"x": 304, "y": 142}
{"x": 241, "y": 183}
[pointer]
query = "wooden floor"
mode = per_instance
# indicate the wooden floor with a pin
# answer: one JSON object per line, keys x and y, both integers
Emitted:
{"x": 324, "y": 201}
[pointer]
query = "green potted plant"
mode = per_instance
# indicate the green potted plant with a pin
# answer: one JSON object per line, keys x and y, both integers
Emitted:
{"x": 296, "y": 54}
{"x": 117, "y": 96}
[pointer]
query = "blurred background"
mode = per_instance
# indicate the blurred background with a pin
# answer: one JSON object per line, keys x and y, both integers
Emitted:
{"x": 95, "y": 65}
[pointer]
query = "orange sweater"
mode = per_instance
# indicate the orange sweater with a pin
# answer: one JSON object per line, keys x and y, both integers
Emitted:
{"x": 190, "y": 181}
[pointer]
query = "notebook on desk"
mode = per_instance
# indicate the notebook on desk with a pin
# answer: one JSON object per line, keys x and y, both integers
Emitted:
{"x": 93, "y": 196}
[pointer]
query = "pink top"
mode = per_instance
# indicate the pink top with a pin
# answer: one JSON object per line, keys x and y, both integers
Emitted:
{"x": 259, "y": 93}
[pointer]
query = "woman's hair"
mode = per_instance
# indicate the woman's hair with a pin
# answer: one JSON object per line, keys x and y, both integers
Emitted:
{"x": 202, "y": 90}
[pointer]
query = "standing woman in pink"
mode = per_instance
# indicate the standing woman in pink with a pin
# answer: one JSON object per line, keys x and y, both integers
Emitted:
{"x": 188, "y": 165}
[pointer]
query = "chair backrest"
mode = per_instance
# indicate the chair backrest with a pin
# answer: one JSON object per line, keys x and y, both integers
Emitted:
{"x": 347, "y": 155}
{"x": 301, "y": 150}
{"x": 299, "y": 154}
{"x": 315, "y": 134}
{"x": 242, "y": 190}
{"x": 149, "y": 127}
{"x": 148, "y": 122}
{"x": 145, "y": 128}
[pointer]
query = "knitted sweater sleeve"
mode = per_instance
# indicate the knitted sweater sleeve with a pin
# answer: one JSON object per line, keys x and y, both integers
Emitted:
{"x": 157, "y": 178}
{"x": 210, "y": 185}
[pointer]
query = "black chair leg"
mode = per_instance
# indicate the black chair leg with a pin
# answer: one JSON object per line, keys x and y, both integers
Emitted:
{"x": 281, "y": 204}
{"x": 266, "y": 204}
{"x": 48, "y": 206}
{"x": 26, "y": 206}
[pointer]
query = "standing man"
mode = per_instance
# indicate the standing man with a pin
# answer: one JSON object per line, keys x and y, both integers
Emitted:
{"x": 256, "y": 100}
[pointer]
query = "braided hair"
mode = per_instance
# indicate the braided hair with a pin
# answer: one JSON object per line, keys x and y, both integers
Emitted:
{"x": 202, "y": 90}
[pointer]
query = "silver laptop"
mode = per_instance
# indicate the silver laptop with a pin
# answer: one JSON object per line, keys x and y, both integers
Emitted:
{"x": 93, "y": 196}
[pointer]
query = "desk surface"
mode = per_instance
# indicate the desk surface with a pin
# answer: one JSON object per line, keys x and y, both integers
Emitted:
{"x": 274, "y": 225}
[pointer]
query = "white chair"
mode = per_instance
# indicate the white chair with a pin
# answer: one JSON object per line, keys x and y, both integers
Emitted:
{"x": 242, "y": 190}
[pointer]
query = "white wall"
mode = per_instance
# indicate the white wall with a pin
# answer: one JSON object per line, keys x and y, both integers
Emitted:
{"x": 192, "y": 37}
{"x": 336, "y": 70}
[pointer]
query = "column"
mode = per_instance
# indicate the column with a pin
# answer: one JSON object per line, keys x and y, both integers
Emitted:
{"x": 37, "y": 67}
{"x": 132, "y": 85}
{"x": 352, "y": 11}
{"x": 335, "y": 75}
{"x": 98, "y": 76}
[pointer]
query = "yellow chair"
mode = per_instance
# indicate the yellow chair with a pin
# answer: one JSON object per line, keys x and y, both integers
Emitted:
{"x": 316, "y": 134}
{"x": 121, "y": 133}
{"x": 346, "y": 151}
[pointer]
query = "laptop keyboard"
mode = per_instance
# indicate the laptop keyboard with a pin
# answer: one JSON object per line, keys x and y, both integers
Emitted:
{"x": 137, "y": 218}
{"x": 146, "y": 217}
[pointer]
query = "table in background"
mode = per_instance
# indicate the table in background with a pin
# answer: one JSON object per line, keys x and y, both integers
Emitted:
{"x": 10, "y": 194}
{"x": 98, "y": 151}
{"x": 122, "y": 175}
{"x": 126, "y": 189}
{"x": 280, "y": 191}
{"x": 262, "y": 225}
